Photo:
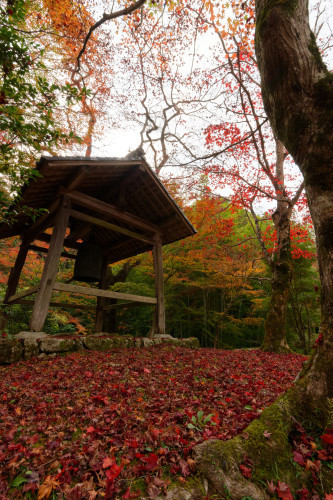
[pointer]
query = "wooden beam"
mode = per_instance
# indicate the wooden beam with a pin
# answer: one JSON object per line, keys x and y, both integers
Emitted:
{"x": 110, "y": 307}
{"x": 124, "y": 182}
{"x": 102, "y": 285}
{"x": 46, "y": 220}
{"x": 47, "y": 238}
{"x": 62, "y": 305}
{"x": 44, "y": 293}
{"x": 78, "y": 233}
{"x": 42, "y": 223}
{"x": 159, "y": 316}
{"x": 15, "y": 272}
{"x": 108, "y": 225}
{"x": 24, "y": 293}
{"x": 76, "y": 180}
{"x": 108, "y": 210}
{"x": 36, "y": 248}
{"x": 96, "y": 292}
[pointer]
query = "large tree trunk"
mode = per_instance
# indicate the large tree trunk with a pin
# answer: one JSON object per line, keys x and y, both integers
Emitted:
{"x": 282, "y": 267}
{"x": 275, "y": 325}
{"x": 298, "y": 96}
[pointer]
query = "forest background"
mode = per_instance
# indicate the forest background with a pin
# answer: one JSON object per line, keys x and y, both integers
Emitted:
{"x": 181, "y": 82}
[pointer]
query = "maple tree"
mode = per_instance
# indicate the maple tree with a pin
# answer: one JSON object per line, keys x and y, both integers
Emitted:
{"x": 254, "y": 172}
{"x": 68, "y": 21}
{"x": 28, "y": 100}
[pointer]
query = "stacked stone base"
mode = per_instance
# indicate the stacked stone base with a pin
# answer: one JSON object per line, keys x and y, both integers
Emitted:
{"x": 27, "y": 345}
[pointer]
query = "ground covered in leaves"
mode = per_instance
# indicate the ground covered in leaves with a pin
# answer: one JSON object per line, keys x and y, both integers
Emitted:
{"x": 122, "y": 424}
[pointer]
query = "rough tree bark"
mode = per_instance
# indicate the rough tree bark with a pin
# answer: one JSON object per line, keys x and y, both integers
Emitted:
{"x": 280, "y": 263}
{"x": 298, "y": 96}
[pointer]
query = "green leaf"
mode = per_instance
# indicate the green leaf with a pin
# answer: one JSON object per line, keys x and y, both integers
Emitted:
{"x": 248, "y": 407}
{"x": 200, "y": 415}
{"x": 329, "y": 465}
{"x": 194, "y": 420}
{"x": 18, "y": 481}
{"x": 208, "y": 418}
{"x": 191, "y": 426}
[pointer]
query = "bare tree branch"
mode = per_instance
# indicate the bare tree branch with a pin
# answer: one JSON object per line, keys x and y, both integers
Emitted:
{"x": 107, "y": 17}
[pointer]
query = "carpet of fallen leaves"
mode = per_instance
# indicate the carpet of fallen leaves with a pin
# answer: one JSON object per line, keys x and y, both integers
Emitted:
{"x": 117, "y": 424}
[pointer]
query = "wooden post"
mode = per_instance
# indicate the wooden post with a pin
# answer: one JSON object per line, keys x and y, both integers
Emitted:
{"x": 101, "y": 300}
{"x": 44, "y": 293}
{"x": 159, "y": 316}
{"x": 13, "y": 280}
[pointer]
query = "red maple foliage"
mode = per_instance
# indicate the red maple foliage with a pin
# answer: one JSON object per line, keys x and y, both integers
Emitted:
{"x": 96, "y": 422}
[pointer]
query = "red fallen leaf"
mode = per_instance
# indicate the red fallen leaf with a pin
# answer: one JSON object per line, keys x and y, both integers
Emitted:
{"x": 271, "y": 487}
{"x": 246, "y": 472}
{"x": 113, "y": 472}
{"x": 101, "y": 399}
{"x": 302, "y": 494}
{"x": 191, "y": 463}
{"x": 267, "y": 434}
{"x": 310, "y": 465}
{"x": 323, "y": 455}
{"x": 155, "y": 433}
{"x": 107, "y": 462}
{"x": 298, "y": 458}
{"x": 327, "y": 438}
{"x": 151, "y": 461}
{"x": 90, "y": 429}
{"x": 128, "y": 495}
{"x": 184, "y": 467}
{"x": 328, "y": 496}
{"x": 283, "y": 491}
{"x": 146, "y": 370}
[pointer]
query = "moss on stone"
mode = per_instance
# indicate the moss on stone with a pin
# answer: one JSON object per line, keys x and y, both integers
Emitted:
{"x": 191, "y": 342}
{"x": 98, "y": 343}
{"x": 31, "y": 348}
{"x": 10, "y": 351}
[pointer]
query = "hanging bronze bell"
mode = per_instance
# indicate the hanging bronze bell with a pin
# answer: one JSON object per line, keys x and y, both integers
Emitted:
{"x": 88, "y": 263}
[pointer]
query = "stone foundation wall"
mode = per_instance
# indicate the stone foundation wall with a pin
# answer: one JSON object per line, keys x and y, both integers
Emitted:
{"x": 27, "y": 345}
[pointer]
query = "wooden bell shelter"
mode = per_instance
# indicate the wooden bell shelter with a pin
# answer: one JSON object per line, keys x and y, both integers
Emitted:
{"x": 119, "y": 205}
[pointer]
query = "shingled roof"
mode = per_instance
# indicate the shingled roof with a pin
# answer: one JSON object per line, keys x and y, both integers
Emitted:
{"x": 127, "y": 184}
